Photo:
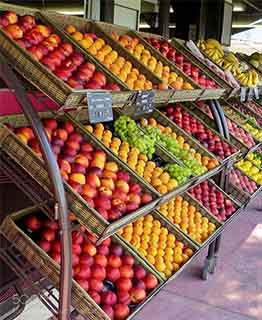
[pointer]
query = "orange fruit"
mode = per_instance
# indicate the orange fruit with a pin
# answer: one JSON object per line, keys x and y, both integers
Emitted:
{"x": 70, "y": 29}
{"x": 77, "y": 35}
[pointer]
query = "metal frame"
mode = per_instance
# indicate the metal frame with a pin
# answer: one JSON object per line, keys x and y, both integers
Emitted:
{"x": 9, "y": 77}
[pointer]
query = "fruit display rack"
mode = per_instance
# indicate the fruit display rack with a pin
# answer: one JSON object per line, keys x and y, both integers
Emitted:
{"x": 121, "y": 207}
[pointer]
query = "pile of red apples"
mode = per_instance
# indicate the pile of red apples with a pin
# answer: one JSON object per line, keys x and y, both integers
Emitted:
{"x": 57, "y": 55}
{"x": 109, "y": 275}
{"x": 103, "y": 185}
{"x": 182, "y": 63}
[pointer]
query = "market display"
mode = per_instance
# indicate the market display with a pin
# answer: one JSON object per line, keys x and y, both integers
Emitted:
{"x": 143, "y": 189}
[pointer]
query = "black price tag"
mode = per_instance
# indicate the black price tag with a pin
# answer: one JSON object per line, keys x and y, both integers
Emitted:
{"x": 243, "y": 94}
{"x": 99, "y": 107}
{"x": 144, "y": 102}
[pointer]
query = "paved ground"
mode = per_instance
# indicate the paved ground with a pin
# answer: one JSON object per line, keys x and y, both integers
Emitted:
{"x": 233, "y": 293}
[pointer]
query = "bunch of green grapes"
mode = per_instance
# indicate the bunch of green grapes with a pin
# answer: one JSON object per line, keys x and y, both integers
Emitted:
{"x": 178, "y": 173}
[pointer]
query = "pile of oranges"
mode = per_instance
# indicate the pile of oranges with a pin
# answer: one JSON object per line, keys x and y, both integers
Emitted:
{"x": 183, "y": 214}
{"x": 117, "y": 64}
{"x": 139, "y": 162}
{"x": 205, "y": 161}
{"x": 134, "y": 46}
{"x": 157, "y": 244}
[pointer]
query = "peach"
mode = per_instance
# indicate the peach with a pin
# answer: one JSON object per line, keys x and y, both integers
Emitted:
{"x": 98, "y": 272}
{"x": 137, "y": 295}
{"x": 68, "y": 126}
{"x": 128, "y": 260}
{"x": 122, "y": 185}
{"x": 14, "y": 31}
{"x": 95, "y": 296}
{"x": 119, "y": 195}
{"x": 87, "y": 147}
{"x": 119, "y": 205}
{"x": 138, "y": 284}
{"x": 134, "y": 198}
{"x": 93, "y": 180}
{"x": 109, "y": 174}
{"x": 123, "y": 284}
{"x": 70, "y": 29}
{"x": 109, "y": 311}
{"x": 102, "y": 212}
{"x": 77, "y": 168}
{"x": 101, "y": 260}
{"x": 103, "y": 250}
{"x": 114, "y": 214}
{"x": 75, "y": 185}
{"x": 44, "y": 30}
{"x": 89, "y": 201}
{"x": 70, "y": 151}
{"x": 96, "y": 285}
{"x": 86, "y": 259}
{"x": 121, "y": 175}
{"x": 89, "y": 191}
{"x": 50, "y": 123}
{"x": 75, "y": 136}
{"x": 89, "y": 248}
{"x": 135, "y": 188}
{"x": 121, "y": 311}
{"x": 111, "y": 166}
{"x": 105, "y": 191}
{"x": 140, "y": 272}
{"x": 61, "y": 134}
{"x": 74, "y": 83}
{"x": 26, "y": 131}
{"x": 98, "y": 163}
{"x": 11, "y": 17}
{"x": 146, "y": 198}
{"x": 109, "y": 298}
{"x": 102, "y": 202}
{"x": 108, "y": 183}
{"x": 114, "y": 261}
{"x": 126, "y": 271}
{"x": 131, "y": 206}
{"x": 82, "y": 272}
{"x": 150, "y": 281}
{"x": 67, "y": 48}
{"x": 83, "y": 160}
{"x": 123, "y": 297}
{"x": 100, "y": 154}
{"x": 78, "y": 177}
{"x": 112, "y": 274}
{"x": 64, "y": 165}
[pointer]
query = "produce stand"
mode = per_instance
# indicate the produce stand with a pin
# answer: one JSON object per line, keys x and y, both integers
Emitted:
{"x": 161, "y": 169}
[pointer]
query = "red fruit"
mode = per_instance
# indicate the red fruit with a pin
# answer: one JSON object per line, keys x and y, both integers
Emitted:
{"x": 99, "y": 77}
{"x": 95, "y": 296}
{"x": 56, "y": 257}
{"x": 114, "y": 261}
{"x": 56, "y": 246}
{"x": 103, "y": 250}
{"x": 89, "y": 248}
{"x": 128, "y": 260}
{"x": 112, "y": 274}
{"x": 68, "y": 126}
{"x": 75, "y": 136}
{"x": 138, "y": 284}
{"x": 96, "y": 285}
{"x": 126, "y": 271}
{"x": 114, "y": 214}
{"x": 112, "y": 87}
{"x": 106, "y": 242}
{"x": 77, "y": 237}
{"x": 121, "y": 311}
{"x": 146, "y": 198}
{"x": 123, "y": 284}
{"x": 32, "y": 223}
{"x": 116, "y": 250}
{"x": 137, "y": 295}
{"x": 109, "y": 298}
{"x": 101, "y": 260}
{"x": 75, "y": 260}
{"x": 86, "y": 259}
{"x": 109, "y": 311}
{"x": 135, "y": 188}
{"x": 98, "y": 272}
{"x": 82, "y": 272}
{"x": 87, "y": 147}
{"x": 121, "y": 175}
{"x": 83, "y": 283}
{"x": 123, "y": 297}
{"x": 76, "y": 249}
{"x": 102, "y": 212}
{"x": 102, "y": 202}
{"x": 44, "y": 245}
{"x": 150, "y": 281}
{"x": 48, "y": 234}
{"x": 89, "y": 201}
{"x": 61, "y": 134}
{"x": 140, "y": 272}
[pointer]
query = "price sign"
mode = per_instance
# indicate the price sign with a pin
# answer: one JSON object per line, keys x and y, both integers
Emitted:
{"x": 250, "y": 94}
{"x": 243, "y": 94}
{"x": 99, "y": 107}
{"x": 256, "y": 93}
{"x": 144, "y": 102}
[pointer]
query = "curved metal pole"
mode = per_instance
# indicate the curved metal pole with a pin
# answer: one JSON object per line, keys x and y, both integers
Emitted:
{"x": 222, "y": 118}
{"x": 7, "y": 74}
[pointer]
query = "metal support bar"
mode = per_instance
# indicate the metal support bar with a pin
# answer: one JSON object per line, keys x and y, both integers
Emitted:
{"x": 7, "y": 74}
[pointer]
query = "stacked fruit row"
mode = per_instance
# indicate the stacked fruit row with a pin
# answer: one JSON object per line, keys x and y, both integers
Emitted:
{"x": 187, "y": 217}
{"x": 110, "y": 276}
{"x": 243, "y": 182}
{"x": 250, "y": 169}
{"x": 198, "y": 130}
{"x": 255, "y": 107}
{"x": 135, "y": 47}
{"x": 155, "y": 175}
{"x": 256, "y": 158}
{"x": 168, "y": 51}
{"x": 228, "y": 61}
{"x": 213, "y": 199}
{"x": 110, "y": 58}
{"x": 58, "y": 56}
{"x": 246, "y": 123}
{"x": 233, "y": 127}
{"x": 100, "y": 182}
{"x": 253, "y": 118}
{"x": 157, "y": 244}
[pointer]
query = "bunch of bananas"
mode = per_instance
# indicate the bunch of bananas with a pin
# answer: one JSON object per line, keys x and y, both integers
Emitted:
{"x": 228, "y": 61}
{"x": 256, "y": 60}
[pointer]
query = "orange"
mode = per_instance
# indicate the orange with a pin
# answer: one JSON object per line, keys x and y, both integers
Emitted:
{"x": 162, "y": 189}
{"x": 187, "y": 86}
{"x": 168, "y": 273}
{"x": 160, "y": 252}
{"x": 160, "y": 266}
{"x": 139, "y": 85}
{"x": 188, "y": 252}
{"x": 172, "y": 184}
{"x": 92, "y": 50}
{"x": 151, "y": 259}
{"x": 100, "y": 56}
{"x": 86, "y": 43}
{"x": 115, "y": 69}
{"x": 152, "y": 251}
{"x": 98, "y": 44}
{"x": 178, "y": 259}
{"x": 148, "y": 85}
{"x": 77, "y": 35}
{"x": 70, "y": 29}
{"x": 176, "y": 267}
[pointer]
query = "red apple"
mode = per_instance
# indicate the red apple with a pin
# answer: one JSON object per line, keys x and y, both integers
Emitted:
{"x": 96, "y": 285}
{"x": 123, "y": 284}
{"x": 121, "y": 311}
{"x": 109, "y": 311}
{"x": 95, "y": 296}
{"x": 44, "y": 245}
{"x": 32, "y": 223}
{"x": 86, "y": 259}
{"x": 11, "y": 16}
{"x": 150, "y": 281}
{"x": 48, "y": 234}
{"x": 83, "y": 283}
{"x": 137, "y": 295}
{"x": 140, "y": 272}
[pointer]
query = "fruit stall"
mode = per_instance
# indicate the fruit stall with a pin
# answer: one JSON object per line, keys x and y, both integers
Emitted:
{"x": 134, "y": 152}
